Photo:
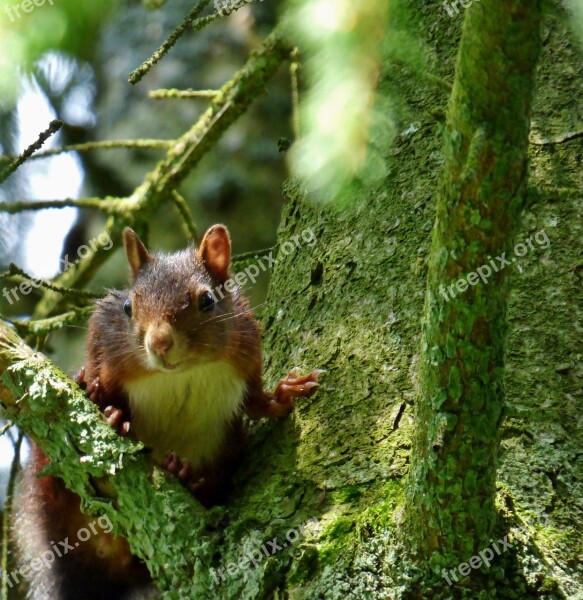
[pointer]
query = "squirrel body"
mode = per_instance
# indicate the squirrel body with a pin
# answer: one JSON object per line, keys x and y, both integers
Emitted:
{"x": 195, "y": 423}
{"x": 174, "y": 367}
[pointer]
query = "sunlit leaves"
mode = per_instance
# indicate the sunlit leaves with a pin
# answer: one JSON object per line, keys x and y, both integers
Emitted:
{"x": 340, "y": 44}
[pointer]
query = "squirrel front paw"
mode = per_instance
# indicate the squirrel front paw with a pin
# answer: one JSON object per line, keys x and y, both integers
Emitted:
{"x": 114, "y": 417}
{"x": 297, "y": 386}
{"x": 175, "y": 465}
{"x": 293, "y": 386}
{"x": 93, "y": 390}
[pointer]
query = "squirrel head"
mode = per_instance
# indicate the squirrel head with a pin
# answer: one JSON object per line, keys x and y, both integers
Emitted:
{"x": 175, "y": 315}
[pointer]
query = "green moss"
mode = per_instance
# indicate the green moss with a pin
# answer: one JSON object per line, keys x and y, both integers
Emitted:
{"x": 339, "y": 528}
{"x": 306, "y": 563}
{"x": 349, "y": 494}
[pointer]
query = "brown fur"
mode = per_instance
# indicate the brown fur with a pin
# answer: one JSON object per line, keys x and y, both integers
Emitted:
{"x": 48, "y": 511}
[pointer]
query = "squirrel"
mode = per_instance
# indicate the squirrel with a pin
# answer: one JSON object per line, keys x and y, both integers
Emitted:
{"x": 171, "y": 365}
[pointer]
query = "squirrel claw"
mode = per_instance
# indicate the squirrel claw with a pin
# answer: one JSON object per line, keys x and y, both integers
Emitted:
{"x": 197, "y": 485}
{"x": 113, "y": 415}
{"x": 178, "y": 467}
{"x": 114, "y": 418}
{"x": 296, "y": 386}
{"x": 79, "y": 378}
{"x": 93, "y": 391}
{"x": 292, "y": 386}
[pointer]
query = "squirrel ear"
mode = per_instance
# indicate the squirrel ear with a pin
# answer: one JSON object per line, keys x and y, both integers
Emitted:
{"x": 215, "y": 251}
{"x": 136, "y": 252}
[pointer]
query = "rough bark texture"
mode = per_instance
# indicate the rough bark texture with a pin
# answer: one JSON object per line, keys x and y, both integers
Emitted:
{"x": 451, "y": 512}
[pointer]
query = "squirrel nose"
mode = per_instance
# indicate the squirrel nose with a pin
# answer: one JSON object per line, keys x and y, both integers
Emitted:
{"x": 161, "y": 341}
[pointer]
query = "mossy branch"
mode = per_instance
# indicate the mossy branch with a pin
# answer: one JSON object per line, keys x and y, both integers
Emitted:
{"x": 450, "y": 512}
{"x": 101, "y": 145}
{"x": 43, "y": 326}
{"x": 17, "y": 274}
{"x": 188, "y": 222}
{"x": 108, "y": 472}
{"x": 109, "y": 205}
{"x": 54, "y": 126}
{"x": 182, "y": 94}
{"x": 245, "y": 258}
{"x": 137, "y": 74}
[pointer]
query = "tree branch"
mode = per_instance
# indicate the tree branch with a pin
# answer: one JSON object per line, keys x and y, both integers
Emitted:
{"x": 108, "y": 472}
{"x": 231, "y": 102}
{"x": 461, "y": 405}
{"x": 54, "y": 126}
{"x": 100, "y": 145}
{"x": 108, "y": 205}
{"x": 137, "y": 74}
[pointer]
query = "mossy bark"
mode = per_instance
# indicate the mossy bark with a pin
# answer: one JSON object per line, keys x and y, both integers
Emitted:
{"x": 451, "y": 508}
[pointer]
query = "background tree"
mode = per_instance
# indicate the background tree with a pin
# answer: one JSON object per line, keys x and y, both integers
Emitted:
{"x": 451, "y": 511}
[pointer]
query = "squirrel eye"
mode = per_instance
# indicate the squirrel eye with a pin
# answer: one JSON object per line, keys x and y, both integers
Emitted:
{"x": 206, "y": 302}
{"x": 127, "y": 308}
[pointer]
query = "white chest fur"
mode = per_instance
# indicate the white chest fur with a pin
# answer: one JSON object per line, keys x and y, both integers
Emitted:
{"x": 188, "y": 412}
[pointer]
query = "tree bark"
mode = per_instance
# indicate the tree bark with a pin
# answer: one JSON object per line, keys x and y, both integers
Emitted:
{"x": 451, "y": 510}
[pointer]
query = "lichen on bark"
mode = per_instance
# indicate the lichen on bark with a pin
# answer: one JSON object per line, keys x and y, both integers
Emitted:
{"x": 451, "y": 511}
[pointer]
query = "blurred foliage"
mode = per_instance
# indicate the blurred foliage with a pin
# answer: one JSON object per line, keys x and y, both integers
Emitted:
{"x": 339, "y": 44}
{"x": 28, "y": 30}
{"x": 349, "y": 117}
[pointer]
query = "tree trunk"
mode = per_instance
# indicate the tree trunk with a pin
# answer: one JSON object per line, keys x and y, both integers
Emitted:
{"x": 451, "y": 510}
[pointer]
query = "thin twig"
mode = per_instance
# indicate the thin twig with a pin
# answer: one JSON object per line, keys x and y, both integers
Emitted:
{"x": 6, "y": 427}
{"x": 175, "y": 93}
{"x": 229, "y": 6}
{"x": 54, "y": 126}
{"x": 17, "y": 273}
{"x": 204, "y": 21}
{"x": 42, "y": 326}
{"x": 138, "y": 74}
{"x": 109, "y": 205}
{"x": 107, "y": 144}
{"x": 247, "y": 256}
{"x": 191, "y": 229}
